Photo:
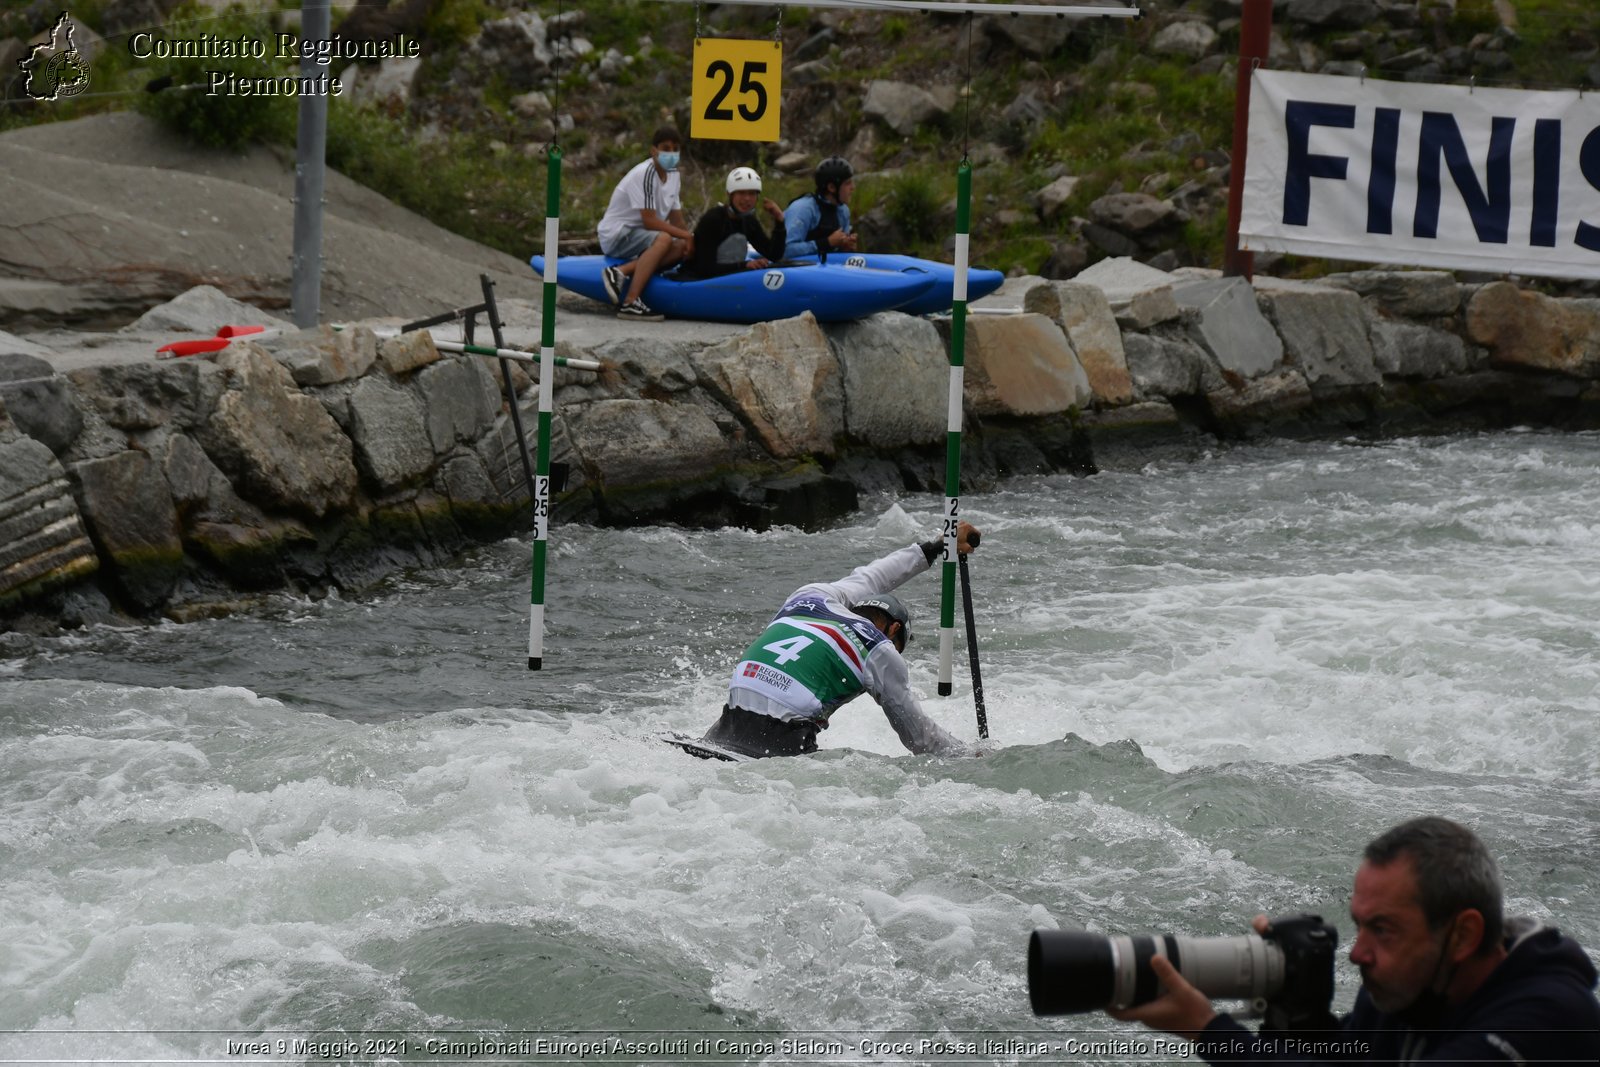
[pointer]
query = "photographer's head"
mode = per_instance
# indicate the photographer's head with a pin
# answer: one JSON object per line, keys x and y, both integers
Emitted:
{"x": 1427, "y": 910}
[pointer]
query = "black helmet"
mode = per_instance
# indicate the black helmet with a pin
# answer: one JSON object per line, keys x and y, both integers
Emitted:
{"x": 890, "y": 605}
{"x": 834, "y": 169}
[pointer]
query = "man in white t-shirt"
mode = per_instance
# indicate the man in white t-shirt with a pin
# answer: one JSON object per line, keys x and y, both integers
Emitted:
{"x": 644, "y": 226}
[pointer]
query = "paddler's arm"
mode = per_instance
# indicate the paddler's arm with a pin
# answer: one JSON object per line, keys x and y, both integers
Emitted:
{"x": 889, "y": 682}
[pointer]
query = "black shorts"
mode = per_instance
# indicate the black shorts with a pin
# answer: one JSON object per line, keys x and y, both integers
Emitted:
{"x": 761, "y": 735}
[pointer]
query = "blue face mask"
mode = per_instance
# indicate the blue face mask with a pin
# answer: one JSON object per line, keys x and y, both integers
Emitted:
{"x": 667, "y": 160}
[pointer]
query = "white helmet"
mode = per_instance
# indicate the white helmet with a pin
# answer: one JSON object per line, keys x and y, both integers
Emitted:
{"x": 743, "y": 179}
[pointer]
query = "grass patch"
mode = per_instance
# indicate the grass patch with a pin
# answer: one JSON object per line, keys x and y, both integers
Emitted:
{"x": 468, "y": 184}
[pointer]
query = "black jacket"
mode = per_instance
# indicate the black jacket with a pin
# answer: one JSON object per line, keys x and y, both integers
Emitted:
{"x": 1537, "y": 1007}
{"x": 722, "y": 238}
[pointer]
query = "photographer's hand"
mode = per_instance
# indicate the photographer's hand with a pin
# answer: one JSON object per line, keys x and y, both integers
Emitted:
{"x": 1181, "y": 1009}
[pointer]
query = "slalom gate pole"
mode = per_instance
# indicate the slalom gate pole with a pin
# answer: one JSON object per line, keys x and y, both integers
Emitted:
{"x": 952, "y": 455}
{"x": 972, "y": 649}
{"x": 547, "y": 377}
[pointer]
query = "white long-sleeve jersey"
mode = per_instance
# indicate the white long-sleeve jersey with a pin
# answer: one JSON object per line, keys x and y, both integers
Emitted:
{"x": 817, "y": 654}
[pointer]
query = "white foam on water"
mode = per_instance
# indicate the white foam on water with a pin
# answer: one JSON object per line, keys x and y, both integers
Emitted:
{"x": 1300, "y": 659}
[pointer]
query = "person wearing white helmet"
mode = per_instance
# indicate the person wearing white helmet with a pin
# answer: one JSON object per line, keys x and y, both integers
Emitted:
{"x": 829, "y": 643}
{"x": 728, "y": 232}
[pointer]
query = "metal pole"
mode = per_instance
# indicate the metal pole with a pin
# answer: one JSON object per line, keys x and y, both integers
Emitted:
{"x": 498, "y": 334}
{"x": 1255, "y": 38}
{"x": 547, "y": 377}
{"x": 310, "y": 152}
{"x": 952, "y": 455}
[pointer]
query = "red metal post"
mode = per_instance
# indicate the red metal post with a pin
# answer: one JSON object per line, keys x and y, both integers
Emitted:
{"x": 1255, "y": 36}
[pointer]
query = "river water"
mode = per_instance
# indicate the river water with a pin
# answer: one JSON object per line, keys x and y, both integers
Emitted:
{"x": 359, "y": 829}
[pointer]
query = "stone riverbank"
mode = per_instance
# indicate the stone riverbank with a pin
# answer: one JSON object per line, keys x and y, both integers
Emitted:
{"x": 316, "y": 460}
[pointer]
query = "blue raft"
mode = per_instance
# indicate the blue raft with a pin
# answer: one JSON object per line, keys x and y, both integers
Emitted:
{"x": 831, "y": 292}
{"x": 980, "y": 280}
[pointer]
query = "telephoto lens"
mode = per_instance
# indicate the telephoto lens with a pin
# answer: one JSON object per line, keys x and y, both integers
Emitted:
{"x": 1076, "y": 971}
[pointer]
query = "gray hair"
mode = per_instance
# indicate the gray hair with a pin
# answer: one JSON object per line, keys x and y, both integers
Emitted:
{"x": 1454, "y": 872}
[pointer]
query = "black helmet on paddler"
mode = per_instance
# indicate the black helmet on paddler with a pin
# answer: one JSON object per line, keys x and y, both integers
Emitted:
{"x": 890, "y": 605}
{"x": 835, "y": 170}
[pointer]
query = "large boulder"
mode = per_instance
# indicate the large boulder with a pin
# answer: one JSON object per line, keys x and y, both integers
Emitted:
{"x": 902, "y": 107}
{"x": 1230, "y": 326}
{"x": 204, "y": 309}
{"x": 896, "y": 380}
{"x": 1522, "y": 328}
{"x": 39, "y": 403}
{"x": 388, "y": 85}
{"x": 390, "y": 433}
{"x": 641, "y": 444}
{"x": 1084, "y": 315}
{"x": 407, "y": 352}
{"x": 1406, "y": 294}
{"x": 461, "y": 398}
{"x": 43, "y": 544}
{"x": 1122, "y": 279}
{"x": 199, "y": 489}
{"x": 1149, "y": 308}
{"x": 134, "y": 397}
{"x": 1165, "y": 367}
{"x": 1021, "y": 365}
{"x": 1139, "y": 216}
{"x": 324, "y": 356}
{"x": 1259, "y": 405}
{"x": 280, "y": 446}
{"x": 129, "y": 512}
{"x": 1050, "y": 200}
{"x": 1412, "y": 350}
{"x": 1325, "y": 335}
{"x": 502, "y": 452}
{"x": 517, "y": 48}
{"x": 782, "y": 380}
{"x": 1190, "y": 39}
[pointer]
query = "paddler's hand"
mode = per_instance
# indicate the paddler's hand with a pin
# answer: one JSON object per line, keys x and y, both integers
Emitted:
{"x": 967, "y": 536}
{"x": 840, "y": 239}
{"x": 757, "y": 264}
{"x": 771, "y": 207}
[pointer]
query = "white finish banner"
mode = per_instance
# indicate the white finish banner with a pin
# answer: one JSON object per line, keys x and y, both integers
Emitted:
{"x": 1497, "y": 180}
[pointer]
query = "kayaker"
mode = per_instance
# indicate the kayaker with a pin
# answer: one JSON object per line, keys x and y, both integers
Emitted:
{"x": 727, "y": 232}
{"x": 644, "y": 225}
{"x": 828, "y": 644}
{"x": 818, "y": 223}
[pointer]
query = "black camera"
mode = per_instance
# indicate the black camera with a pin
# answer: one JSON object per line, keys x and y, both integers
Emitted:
{"x": 1289, "y": 971}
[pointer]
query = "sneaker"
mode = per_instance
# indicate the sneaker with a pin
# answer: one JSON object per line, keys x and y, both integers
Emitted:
{"x": 639, "y": 311}
{"x": 616, "y": 283}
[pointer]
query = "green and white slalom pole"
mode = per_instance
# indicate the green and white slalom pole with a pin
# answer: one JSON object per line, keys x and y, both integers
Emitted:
{"x": 516, "y": 355}
{"x": 547, "y": 378}
{"x": 952, "y": 453}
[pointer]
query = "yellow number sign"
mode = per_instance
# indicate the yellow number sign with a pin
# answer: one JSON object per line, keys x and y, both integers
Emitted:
{"x": 736, "y": 89}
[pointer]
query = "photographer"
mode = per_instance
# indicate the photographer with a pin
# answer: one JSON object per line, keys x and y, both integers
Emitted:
{"x": 1443, "y": 979}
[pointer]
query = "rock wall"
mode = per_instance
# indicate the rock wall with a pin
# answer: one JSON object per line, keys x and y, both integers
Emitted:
{"x": 319, "y": 459}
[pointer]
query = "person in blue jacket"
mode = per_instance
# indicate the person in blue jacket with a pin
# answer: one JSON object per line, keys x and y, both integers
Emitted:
{"x": 1444, "y": 978}
{"x": 818, "y": 223}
